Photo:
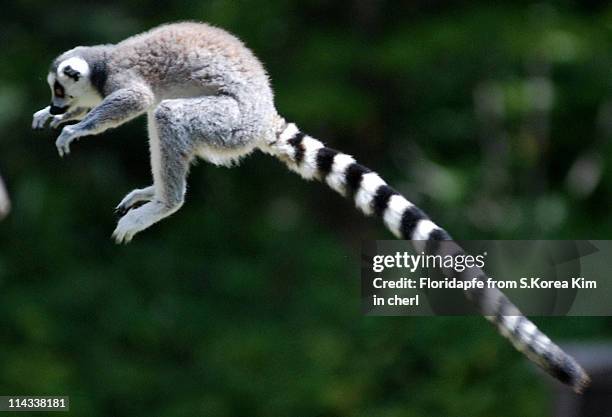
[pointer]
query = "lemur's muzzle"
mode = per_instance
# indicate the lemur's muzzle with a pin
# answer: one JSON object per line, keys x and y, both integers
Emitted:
{"x": 57, "y": 110}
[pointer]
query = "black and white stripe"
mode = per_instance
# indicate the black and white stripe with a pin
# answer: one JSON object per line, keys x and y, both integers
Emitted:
{"x": 373, "y": 196}
{"x": 313, "y": 160}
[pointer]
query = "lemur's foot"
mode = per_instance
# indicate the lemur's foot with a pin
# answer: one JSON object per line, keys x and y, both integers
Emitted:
{"x": 140, "y": 218}
{"x": 127, "y": 227}
{"x": 133, "y": 200}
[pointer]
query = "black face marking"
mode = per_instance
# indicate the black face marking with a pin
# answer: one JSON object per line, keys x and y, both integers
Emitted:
{"x": 98, "y": 76}
{"x": 58, "y": 90}
{"x": 72, "y": 73}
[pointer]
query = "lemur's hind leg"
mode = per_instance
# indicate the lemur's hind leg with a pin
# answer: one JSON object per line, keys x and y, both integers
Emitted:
{"x": 140, "y": 195}
{"x": 177, "y": 129}
{"x": 171, "y": 154}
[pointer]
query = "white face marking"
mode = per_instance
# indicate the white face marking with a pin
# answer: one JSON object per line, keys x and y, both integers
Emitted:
{"x": 77, "y": 64}
{"x": 72, "y": 82}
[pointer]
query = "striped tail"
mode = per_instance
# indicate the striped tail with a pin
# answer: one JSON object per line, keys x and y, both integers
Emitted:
{"x": 311, "y": 159}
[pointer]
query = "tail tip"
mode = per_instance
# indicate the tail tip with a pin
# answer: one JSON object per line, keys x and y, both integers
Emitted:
{"x": 581, "y": 382}
{"x": 569, "y": 372}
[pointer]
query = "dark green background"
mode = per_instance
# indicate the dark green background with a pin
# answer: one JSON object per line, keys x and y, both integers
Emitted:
{"x": 495, "y": 119}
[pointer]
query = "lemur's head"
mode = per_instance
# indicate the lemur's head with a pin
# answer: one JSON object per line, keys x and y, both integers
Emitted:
{"x": 70, "y": 79}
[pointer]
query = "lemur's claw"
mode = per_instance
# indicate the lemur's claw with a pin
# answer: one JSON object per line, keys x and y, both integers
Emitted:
{"x": 121, "y": 211}
{"x": 134, "y": 199}
{"x": 123, "y": 208}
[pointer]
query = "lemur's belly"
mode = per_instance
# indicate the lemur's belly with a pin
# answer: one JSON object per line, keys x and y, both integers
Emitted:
{"x": 224, "y": 156}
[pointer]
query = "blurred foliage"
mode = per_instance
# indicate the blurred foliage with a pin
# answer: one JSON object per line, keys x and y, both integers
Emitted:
{"x": 495, "y": 118}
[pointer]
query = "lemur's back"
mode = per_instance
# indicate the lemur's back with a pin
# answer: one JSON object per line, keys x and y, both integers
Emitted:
{"x": 195, "y": 52}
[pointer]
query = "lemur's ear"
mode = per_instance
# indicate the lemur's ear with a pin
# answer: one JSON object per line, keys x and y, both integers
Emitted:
{"x": 72, "y": 73}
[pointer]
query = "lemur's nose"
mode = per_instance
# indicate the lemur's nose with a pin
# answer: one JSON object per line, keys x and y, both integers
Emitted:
{"x": 57, "y": 110}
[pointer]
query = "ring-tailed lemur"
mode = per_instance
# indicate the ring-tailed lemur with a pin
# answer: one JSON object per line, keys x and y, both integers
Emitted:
{"x": 206, "y": 95}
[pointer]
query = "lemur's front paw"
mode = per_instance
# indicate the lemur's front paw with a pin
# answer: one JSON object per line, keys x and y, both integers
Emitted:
{"x": 65, "y": 139}
{"x": 131, "y": 200}
{"x": 40, "y": 118}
